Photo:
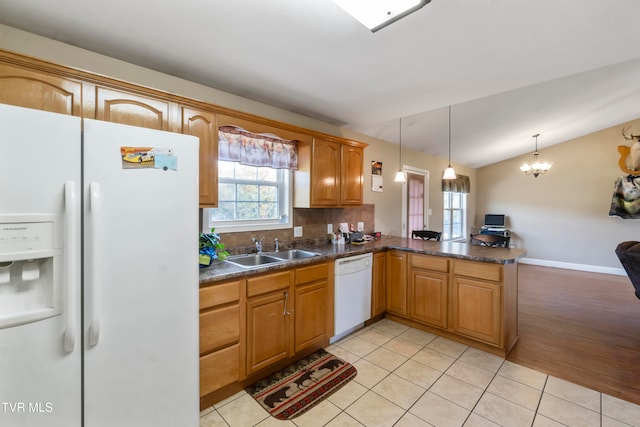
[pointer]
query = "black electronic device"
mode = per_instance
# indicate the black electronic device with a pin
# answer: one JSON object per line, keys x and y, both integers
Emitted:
{"x": 494, "y": 221}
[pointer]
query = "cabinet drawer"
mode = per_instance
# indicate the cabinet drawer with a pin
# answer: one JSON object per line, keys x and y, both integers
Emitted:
{"x": 269, "y": 283}
{"x": 481, "y": 270}
{"x": 429, "y": 262}
{"x": 312, "y": 273}
{"x": 221, "y": 293}
{"x": 219, "y": 369}
{"x": 219, "y": 327}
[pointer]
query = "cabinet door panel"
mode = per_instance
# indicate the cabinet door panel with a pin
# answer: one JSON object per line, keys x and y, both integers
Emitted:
{"x": 477, "y": 308}
{"x": 325, "y": 173}
{"x": 429, "y": 297}
{"x": 268, "y": 330}
{"x": 31, "y": 89}
{"x": 352, "y": 175}
{"x": 128, "y": 109}
{"x": 219, "y": 369}
{"x": 397, "y": 282}
{"x": 203, "y": 125}
{"x": 379, "y": 285}
{"x": 219, "y": 293}
{"x": 311, "y": 314}
{"x": 219, "y": 327}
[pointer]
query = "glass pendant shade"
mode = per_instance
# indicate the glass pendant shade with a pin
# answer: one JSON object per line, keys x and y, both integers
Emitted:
{"x": 400, "y": 177}
{"x": 449, "y": 173}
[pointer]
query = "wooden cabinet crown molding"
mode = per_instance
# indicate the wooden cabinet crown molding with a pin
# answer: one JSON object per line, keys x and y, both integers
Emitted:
{"x": 91, "y": 79}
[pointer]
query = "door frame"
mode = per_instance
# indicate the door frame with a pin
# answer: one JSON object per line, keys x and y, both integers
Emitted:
{"x": 405, "y": 199}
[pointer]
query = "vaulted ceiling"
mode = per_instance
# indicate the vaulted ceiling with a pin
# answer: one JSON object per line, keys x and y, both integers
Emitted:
{"x": 508, "y": 68}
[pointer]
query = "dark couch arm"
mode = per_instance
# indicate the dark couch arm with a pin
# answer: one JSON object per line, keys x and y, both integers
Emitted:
{"x": 629, "y": 256}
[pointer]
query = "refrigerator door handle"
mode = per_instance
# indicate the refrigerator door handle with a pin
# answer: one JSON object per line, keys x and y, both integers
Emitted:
{"x": 70, "y": 261}
{"x": 94, "y": 207}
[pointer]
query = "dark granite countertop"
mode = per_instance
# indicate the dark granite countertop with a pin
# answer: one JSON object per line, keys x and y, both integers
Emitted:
{"x": 461, "y": 250}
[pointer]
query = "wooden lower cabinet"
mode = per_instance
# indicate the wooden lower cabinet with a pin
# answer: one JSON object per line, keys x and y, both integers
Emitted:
{"x": 314, "y": 306}
{"x": 221, "y": 308}
{"x": 219, "y": 369}
{"x": 476, "y": 309}
{"x": 429, "y": 297}
{"x": 397, "y": 282}
{"x": 429, "y": 289}
{"x": 269, "y": 320}
{"x": 472, "y": 301}
{"x": 268, "y": 330}
{"x": 379, "y": 284}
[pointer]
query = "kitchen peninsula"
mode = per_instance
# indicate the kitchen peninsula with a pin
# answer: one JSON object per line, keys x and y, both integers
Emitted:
{"x": 256, "y": 320}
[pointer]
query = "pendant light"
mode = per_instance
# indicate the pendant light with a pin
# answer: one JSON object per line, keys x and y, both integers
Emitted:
{"x": 400, "y": 174}
{"x": 449, "y": 173}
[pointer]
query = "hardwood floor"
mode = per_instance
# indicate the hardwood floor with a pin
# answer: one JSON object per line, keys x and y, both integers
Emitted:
{"x": 582, "y": 327}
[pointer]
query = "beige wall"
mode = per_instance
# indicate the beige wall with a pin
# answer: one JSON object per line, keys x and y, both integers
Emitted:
{"x": 387, "y": 204}
{"x": 562, "y": 216}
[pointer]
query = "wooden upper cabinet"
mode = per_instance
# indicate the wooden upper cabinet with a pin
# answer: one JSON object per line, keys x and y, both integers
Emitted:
{"x": 352, "y": 175}
{"x": 325, "y": 173}
{"x": 40, "y": 91}
{"x": 202, "y": 124}
{"x": 130, "y": 109}
{"x": 330, "y": 174}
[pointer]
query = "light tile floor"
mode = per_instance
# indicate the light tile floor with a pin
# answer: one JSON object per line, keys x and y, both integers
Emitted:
{"x": 407, "y": 377}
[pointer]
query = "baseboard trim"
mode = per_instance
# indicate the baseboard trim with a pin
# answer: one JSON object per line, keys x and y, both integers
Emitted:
{"x": 574, "y": 266}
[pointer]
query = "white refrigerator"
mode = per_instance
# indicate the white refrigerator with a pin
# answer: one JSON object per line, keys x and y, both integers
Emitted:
{"x": 98, "y": 273}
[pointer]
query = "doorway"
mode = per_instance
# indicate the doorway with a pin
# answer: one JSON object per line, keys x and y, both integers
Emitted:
{"x": 415, "y": 201}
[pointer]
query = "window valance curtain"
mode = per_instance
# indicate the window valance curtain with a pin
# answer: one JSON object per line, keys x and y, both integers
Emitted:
{"x": 239, "y": 145}
{"x": 459, "y": 185}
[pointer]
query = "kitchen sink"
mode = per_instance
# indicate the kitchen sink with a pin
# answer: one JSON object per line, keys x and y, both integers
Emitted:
{"x": 252, "y": 260}
{"x": 292, "y": 254}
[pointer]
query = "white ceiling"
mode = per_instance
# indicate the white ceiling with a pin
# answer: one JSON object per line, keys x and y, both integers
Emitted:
{"x": 509, "y": 68}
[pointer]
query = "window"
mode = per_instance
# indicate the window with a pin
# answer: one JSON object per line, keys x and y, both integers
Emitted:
{"x": 250, "y": 198}
{"x": 455, "y": 207}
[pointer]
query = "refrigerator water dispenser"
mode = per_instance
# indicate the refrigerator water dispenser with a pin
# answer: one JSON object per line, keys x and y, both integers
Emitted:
{"x": 31, "y": 269}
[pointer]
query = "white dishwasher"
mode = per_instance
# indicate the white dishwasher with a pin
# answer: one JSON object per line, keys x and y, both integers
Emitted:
{"x": 352, "y": 305}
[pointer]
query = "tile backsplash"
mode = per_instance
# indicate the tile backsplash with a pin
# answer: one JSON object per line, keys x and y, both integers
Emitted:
{"x": 314, "y": 228}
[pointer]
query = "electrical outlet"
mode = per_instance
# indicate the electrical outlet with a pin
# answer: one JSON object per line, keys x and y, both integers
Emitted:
{"x": 297, "y": 231}
{"x": 344, "y": 227}
{"x": 329, "y": 228}
{"x": 429, "y": 212}
{"x": 360, "y": 226}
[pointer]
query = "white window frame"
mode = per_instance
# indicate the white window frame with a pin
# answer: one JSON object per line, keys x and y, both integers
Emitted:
{"x": 285, "y": 194}
{"x": 446, "y": 211}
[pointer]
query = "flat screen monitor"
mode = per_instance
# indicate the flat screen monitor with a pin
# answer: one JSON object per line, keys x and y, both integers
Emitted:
{"x": 494, "y": 220}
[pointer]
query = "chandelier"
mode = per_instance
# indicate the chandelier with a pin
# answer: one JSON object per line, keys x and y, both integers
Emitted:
{"x": 539, "y": 167}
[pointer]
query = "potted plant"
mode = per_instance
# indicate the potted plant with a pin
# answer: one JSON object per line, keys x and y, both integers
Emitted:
{"x": 211, "y": 248}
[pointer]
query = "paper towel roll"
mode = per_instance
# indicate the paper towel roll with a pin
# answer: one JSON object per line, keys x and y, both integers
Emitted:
{"x": 30, "y": 271}
{"x": 5, "y": 272}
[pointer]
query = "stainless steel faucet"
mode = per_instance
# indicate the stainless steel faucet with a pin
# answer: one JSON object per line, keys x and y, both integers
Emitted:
{"x": 258, "y": 244}
{"x": 276, "y": 245}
